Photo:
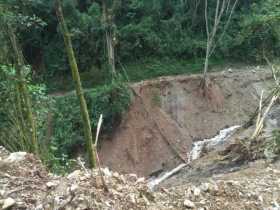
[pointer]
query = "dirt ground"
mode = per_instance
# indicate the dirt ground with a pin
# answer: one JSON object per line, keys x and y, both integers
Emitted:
{"x": 248, "y": 187}
{"x": 26, "y": 185}
{"x": 167, "y": 115}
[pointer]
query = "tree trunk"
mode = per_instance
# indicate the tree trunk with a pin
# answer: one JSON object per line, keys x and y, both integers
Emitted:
{"x": 23, "y": 91}
{"x": 110, "y": 36}
{"x": 78, "y": 85}
{"x": 111, "y": 52}
{"x": 20, "y": 120}
{"x": 206, "y": 63}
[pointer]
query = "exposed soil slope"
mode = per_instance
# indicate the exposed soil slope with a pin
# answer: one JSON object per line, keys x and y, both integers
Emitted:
{"x": 168, "y": 114}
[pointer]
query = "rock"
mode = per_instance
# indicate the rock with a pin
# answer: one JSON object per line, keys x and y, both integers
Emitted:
{"x": 16, "y": 157}
{"x": 189, "y": 204}
{"x": 132, "y": 177}
{"x": 74, "y": 175}
{"x": 52, "y": 184}
{"x": 9, "y": 202}
{"x": 2, "y": 192}
{"x": 230, "y": 70}
{"x": 196, "y": 191}
{"x": 107, "y": 172}
{"x": 116, "y": 174}
{"x": 209, "y": 187}
{"x": 205, "y": 187}
{"x": 132, "y": 199}
{"x": 39, "y": 207}
{"x": 140, "y": 180}
{"x": 203, "y": 202}
{"x": 74, "y": 188}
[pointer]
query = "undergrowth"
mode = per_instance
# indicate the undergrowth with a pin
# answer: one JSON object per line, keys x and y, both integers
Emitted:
{"x": 272, "y": 147}
{"x": 58, "y": 121}
{"x": 66, "y": 141}
{"x": 143, "y": 69}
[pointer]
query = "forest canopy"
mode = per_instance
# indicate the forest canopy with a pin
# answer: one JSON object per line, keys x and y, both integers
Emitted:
{"x": 143, "y": 29}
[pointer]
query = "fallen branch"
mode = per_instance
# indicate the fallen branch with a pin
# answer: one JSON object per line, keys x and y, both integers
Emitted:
{"x": 266, "y": 101}
{"x": 261, "y": 117}
{"x": 80, "y": 162}
{"x": 275, "y": 72}
{"x": 167, "y": 175}
{"x": 94, "y": 147}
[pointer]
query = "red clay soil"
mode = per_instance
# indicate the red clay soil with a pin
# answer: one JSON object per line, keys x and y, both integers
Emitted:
{"x": 167, "y": 115}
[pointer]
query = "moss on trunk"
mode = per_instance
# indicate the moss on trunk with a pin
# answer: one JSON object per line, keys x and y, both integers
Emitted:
{"x": 78, "y": 85}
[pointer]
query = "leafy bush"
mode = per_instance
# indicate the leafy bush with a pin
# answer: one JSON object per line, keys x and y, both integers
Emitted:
{"x": 259, "y": 30}
{"x": 13, "y": 122}
{"x": 272, "y": 148}
{"x": 111, "y": 100}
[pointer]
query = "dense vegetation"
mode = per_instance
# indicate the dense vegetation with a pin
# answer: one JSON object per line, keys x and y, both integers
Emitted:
{"x": 150, "y": 38}
{"x": 147, "y": 32}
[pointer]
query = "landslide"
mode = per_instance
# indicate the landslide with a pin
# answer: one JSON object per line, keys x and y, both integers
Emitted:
{"x": 168, "y": 114}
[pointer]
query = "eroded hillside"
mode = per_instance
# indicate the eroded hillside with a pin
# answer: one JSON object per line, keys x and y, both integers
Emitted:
{"x": 168, "y": 115}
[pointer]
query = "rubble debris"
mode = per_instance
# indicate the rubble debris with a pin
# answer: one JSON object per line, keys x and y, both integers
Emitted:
{"x": 16, "y": 157}
{"x": 28, "y": 185}
{"x": 189, "y": 204}
{"x": 7, "y": 203}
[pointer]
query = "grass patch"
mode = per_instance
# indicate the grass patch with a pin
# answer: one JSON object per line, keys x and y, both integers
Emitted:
{"x": 148, "y": 68}
{"x": 151, "y": 68}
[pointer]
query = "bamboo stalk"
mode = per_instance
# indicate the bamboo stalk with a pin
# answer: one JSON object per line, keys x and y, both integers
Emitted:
{"x": 78, "y": 84}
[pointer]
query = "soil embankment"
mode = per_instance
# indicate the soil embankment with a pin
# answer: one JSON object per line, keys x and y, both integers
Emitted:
{"x": 168, "y": 115}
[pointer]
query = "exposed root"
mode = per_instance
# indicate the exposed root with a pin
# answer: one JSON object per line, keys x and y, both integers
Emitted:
{"x": 212, "y": 93}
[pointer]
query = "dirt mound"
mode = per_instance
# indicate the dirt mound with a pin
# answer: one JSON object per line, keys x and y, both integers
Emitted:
{"x": 22, "y": 178}
{"x": 25, "y": 185}
{"x": 167, "y": 116}
{"x": 255, "y": 187}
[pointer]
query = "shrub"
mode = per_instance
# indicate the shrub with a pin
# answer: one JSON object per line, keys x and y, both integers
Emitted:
{"x": 272, "y": 147}
{"x": 13, "y": 124}
{"x": 111, "y": 100}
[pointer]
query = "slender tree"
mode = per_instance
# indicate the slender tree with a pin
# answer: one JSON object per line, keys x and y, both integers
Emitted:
{"x": 108, "y": 16}
{"x": 22, "y": 90}
{"x": 78, "y": 85}
{"x": 224, "y": 9}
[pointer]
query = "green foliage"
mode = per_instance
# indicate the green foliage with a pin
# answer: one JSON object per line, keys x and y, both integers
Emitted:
{"x": 172, "y": 29}
{"x": 12, "y": 129}
{"x": 259, "y": 30}
{"x": 151, "y": 68}
{"x": 272, "y": 148}
{"x": 57, "y": 164}
{"x": 111, "y": 100}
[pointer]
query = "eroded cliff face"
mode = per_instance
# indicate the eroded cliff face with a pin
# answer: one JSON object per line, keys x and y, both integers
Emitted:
{"x": 168, "y": 115}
